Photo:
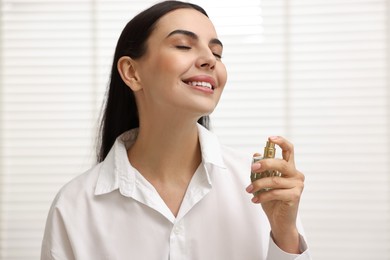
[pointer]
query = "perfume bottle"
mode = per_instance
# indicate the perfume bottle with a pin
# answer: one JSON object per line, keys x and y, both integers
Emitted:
{"x": 269, "y": 152}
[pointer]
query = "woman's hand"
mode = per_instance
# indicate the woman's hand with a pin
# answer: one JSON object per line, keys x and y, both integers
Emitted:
{"x": 280, "y": 203}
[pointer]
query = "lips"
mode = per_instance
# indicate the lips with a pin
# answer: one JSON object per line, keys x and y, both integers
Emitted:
{"x": 201, "y": 84}
{"x": 201, "y": 81}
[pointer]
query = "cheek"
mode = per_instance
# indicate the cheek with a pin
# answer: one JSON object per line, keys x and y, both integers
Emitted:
{"x": 154, "y": 72}
{"x": 160, "y": 73}
{"x": 222, "y": 75}
{"x": 167, "y": 62}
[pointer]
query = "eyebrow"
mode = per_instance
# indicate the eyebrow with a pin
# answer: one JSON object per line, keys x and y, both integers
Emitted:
{"x": 193, "y": 36}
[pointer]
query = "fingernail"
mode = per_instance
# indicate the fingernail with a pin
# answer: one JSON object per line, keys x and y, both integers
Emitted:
{"x": 256, "y": 166}
{"x": 255, "y": 199}
{"x": 273, "y": 137}
{"x": 249, "y": 188}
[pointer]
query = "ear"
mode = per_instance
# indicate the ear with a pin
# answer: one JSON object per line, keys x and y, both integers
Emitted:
{"x": 127, "y": 70}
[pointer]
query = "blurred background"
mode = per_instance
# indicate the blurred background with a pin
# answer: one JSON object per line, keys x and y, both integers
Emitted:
{"x": 314, "y": 71}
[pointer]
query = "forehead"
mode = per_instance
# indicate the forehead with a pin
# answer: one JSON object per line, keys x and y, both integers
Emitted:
{"x": 187, "y": 19}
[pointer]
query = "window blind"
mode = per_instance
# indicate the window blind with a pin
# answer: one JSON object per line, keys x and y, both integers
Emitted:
{"x": 338, "y": 79}
{"x": 320, "y": 76}
{"x": 47, "y": 113}
{"x": 314, "y": 71}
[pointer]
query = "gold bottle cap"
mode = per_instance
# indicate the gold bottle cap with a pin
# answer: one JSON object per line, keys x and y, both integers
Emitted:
{"x": 269, "y": 150}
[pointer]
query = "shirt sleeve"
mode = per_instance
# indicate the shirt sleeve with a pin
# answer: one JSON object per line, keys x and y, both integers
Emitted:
{"x": 275, "y": 253}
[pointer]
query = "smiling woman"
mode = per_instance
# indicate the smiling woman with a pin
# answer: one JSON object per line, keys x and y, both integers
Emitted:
{"x": 314, "y": 71}
{"x": 163, "y": 179}
{"x": 172, "y": 65}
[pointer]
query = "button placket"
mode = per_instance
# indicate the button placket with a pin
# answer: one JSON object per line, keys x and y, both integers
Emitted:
{"x": 177, "y": 242}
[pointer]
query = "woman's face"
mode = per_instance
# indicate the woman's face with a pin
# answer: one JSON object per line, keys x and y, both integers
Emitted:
{"x": 181, "y": 71}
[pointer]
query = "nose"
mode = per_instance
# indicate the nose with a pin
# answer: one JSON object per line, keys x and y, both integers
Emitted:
{"x": 206, "y": 60}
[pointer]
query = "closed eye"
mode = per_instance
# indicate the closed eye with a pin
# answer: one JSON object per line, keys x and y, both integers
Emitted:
{"x": 183, "y": 47}
{"x": 218, "y": 56}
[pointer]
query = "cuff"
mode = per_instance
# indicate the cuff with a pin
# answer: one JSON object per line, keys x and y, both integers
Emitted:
{"x": 274, "y": 252}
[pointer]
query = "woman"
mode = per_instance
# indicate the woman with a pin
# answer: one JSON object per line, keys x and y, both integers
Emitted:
{"x": 164, "y": 187}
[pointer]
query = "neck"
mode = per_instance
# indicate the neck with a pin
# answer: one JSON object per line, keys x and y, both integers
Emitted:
{"x": 167, "y": 150}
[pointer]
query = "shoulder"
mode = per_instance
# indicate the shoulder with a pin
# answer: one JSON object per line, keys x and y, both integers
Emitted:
{"x": 213, "y": 149}
{"x": 79, "y": 188}
{"x": 67, "y": 213}
{"x": 235, "y": 156}
{"x": 237, "y": 164}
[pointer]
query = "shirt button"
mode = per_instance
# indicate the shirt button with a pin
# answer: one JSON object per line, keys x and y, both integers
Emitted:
{"x": 177, "y": 230}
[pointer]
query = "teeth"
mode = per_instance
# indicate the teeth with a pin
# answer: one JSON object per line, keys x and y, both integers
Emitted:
{"x": 199, "y": 83}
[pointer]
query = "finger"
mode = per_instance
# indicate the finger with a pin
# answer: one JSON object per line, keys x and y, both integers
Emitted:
{"x": 285, "y": 145}
{"x": 268, "y": 183}
{"x": 286, "y": 168}
{"x": 289, "y": 196}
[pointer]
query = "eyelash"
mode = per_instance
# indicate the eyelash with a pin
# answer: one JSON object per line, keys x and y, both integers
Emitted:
{"x": 218, "y": 56}
{"x": 183, "y": 47}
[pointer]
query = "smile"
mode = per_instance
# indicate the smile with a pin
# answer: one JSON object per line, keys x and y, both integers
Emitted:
{"x": 200, "y": 84}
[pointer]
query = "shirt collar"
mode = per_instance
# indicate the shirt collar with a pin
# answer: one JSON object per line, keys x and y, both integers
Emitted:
{"x": 117, "y": 173}
{"x": 210, "y": 147}
{"x": 116, "y": 165}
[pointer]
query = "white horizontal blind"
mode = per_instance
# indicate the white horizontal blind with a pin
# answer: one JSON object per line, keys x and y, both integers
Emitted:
{"x": 338, "y": 67}
{"x": 315, "y": 71}
{"x": 47, "y": 113}
{"x": 253, "y": 104}
{"x": 319, "y": 74}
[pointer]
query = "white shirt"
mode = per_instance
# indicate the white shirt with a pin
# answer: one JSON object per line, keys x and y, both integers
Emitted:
{"x": 112, "y": 212}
